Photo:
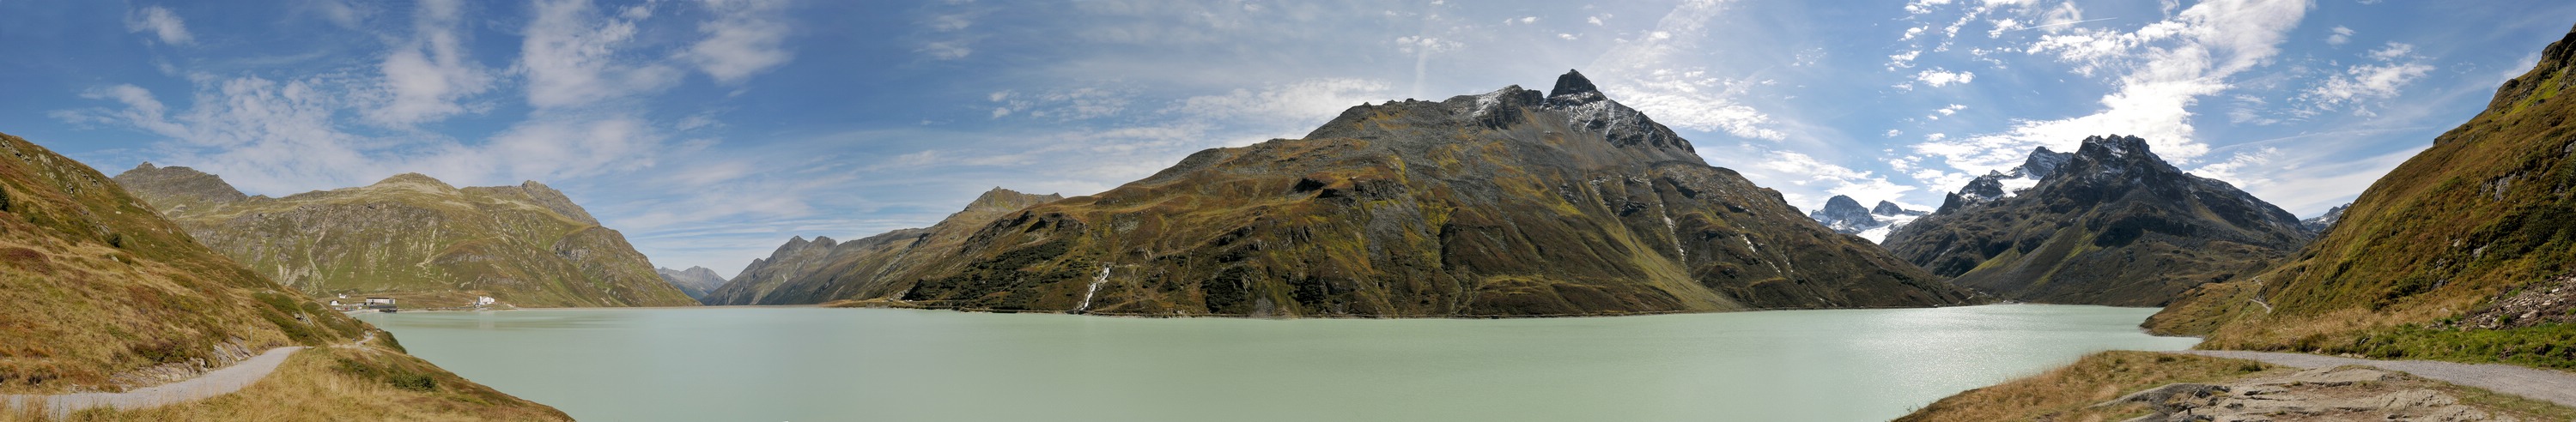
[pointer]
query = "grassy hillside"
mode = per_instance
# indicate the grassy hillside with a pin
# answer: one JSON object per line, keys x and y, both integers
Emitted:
{"x": 99, "y": 293}
{"x": 416, "y": 239}
{"x": 2461, "y": 253}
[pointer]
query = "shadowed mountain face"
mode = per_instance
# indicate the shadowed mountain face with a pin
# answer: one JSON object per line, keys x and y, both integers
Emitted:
{"x": 2476, "y": 232}
{"x": 2110, "y": 224}
{"x": 822, "y": 270}
{"x": 1510, "y": 203}
{"x": 414, "y": 238}
{"x": 695, "y": 281}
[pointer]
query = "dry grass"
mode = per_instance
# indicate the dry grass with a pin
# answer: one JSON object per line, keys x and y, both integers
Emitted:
{"x": 337, "y": 384}
{"x": 2067, "y": 393}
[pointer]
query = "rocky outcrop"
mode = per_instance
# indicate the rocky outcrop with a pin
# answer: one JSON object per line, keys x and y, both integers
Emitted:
{"x": 2339, "y": 393}
{"x": 695, "y": 281}
{"x": 415, "y": 238}
{"x": 1509, "y": 203}
{"x": 2109, "y": 224}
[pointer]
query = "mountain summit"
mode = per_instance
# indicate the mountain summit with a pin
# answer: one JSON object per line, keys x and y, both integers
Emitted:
{"x": 1508, "y": 203}
{"x": 2109, "y": 224}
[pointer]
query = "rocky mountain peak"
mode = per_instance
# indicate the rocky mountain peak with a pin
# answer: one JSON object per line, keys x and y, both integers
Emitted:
{"x": 178, "y": 186}
{"x": 2043, "y": 162}
{"x": 1845, "y": 215}
{"x": 1574, "y": 87}
{"x": 1890, "y": 208}
{"x": 2116, "y": 146}
{"x": 2318, "y": 225}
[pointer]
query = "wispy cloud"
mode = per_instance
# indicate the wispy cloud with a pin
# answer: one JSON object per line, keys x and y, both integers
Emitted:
{"x": 571, "y": 55}
{"x": 426, "y": 75}
{"x": 162, "y": 24}
{"x": 747, "y": 37}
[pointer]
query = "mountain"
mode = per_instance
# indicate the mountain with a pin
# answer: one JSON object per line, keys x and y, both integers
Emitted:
{"x": 2318, "y": 225}
{"x": 2109, "y": 224}
{"x": 695, "y": 281}
{"x": 2467, "y": 251}
{"x": 823, "y": 270}
{"x": 1844, "y": 215}
{"x": 99, "y": 293}
{"x": 1509, "y": 203}
{"x": 414, "y": 238}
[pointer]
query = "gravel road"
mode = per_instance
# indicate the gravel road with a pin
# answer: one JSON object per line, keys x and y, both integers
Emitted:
{"x": 212, "y": 383}
{"x": 2554, "y": 386}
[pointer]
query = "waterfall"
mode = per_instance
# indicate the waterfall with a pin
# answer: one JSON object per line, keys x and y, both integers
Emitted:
{"x": 1095, "y": 289}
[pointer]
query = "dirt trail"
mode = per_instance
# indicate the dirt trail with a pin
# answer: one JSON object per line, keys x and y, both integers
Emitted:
{"x": 2542, "y": 384}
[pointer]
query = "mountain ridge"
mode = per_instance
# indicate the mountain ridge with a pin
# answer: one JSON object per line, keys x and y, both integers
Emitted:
{"x": 1420, "y": 208}
{"x": 416, "y": 238}
{"x": 2108, "y": 224}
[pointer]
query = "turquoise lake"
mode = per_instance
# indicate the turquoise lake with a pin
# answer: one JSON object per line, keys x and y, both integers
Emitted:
{"x": 814, "y": 364}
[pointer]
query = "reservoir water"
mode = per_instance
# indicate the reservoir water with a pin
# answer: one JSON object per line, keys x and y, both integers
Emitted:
{"x": 813, "y": 364}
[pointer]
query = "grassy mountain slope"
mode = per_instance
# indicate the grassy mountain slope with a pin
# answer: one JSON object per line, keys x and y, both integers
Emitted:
{"x": 99, "y": 293}
{"x": 414, "y": 238}
{"x": 2462, "y": 253}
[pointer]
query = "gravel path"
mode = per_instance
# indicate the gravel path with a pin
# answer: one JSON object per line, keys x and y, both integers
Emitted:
{"x": 212, "y": 383}
{"x": 2542, "y": 384}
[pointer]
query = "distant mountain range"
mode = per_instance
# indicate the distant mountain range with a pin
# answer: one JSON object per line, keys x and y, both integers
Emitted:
{"x": 823, "y": 270}
{"x": 1845, "y": 215}
{"x": 695, "y": 281}
{"x": 414, "y": 238}
{"x": 2109, "y": 224}
{"x": 1509, "y": 203}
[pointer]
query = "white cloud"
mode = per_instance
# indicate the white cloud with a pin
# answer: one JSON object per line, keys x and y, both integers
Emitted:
{"x": 571, "y": 55}
{"x": 1062, "y": 105}
{"x": 946, "y": 50}
{"x": 1902, "y": 60}
{"x": 1941, "y": 77}
{"x": 2341, "y": 35}
{"x": 1946, "y": 111}
{"x": 2242, "y": 169}
{"x": 743, "y": 39}
{"x": 276, "y": 138}
{"x": 1652, "y": 76}
{"x": 2369, "y": 81}
{"x": 2393, "y": 51}
{"x": 2165, "y": 67}
{"x": 2362, "y": 82}
{"x": 427, "y": 75}
{"x": 161, "y": 23}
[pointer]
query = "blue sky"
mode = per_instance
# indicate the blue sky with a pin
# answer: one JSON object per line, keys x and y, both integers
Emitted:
{"x": 711, "y": 131}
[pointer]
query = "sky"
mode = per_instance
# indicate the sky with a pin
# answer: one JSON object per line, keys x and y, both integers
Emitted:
{"x": 711, "y": 131}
